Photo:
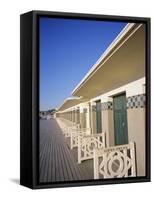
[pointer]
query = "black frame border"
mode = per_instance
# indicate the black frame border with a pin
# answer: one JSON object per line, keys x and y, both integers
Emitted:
{"x": 35, "y": 15}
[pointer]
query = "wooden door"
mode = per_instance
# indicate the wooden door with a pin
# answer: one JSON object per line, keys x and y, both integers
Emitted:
{"x": 120, "y": 119}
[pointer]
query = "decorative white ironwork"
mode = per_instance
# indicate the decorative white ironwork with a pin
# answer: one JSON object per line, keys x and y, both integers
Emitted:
{"x": 86, "y": 145}
{"x": 76, "y": 132}
{"x": 115, "y": 162}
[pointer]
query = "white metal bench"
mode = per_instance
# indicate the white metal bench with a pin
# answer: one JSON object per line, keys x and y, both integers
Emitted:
{"x": 86, "y": 145}
{"x": 115, "y": 162}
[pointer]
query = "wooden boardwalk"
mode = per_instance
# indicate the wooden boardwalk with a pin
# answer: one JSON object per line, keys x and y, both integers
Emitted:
{"x": 57, "y": 162}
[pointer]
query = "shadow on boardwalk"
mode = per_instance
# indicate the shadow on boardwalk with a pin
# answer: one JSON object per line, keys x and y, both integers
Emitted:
{"x": 57, "y": 161}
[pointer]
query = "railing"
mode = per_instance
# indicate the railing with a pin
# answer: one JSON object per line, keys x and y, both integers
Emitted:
{"x": 86, "y": 145}
{"x": 71, "y": 129}
{"x": 115, "y": 162}
{"x": 76, "y": 132}
{"x": 67, "y": 126}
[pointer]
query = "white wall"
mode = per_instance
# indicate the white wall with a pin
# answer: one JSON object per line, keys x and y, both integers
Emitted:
{"x": 131, "y": 89}
{"x": 9, "y": 100}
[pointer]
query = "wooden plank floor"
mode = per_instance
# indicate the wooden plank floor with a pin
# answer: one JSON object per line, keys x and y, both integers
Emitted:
{"x": 86, "y": 167}
{"x": 57, "y": 162}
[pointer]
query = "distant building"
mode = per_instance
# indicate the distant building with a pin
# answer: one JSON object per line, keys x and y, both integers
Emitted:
{"x": 47, "y": 114}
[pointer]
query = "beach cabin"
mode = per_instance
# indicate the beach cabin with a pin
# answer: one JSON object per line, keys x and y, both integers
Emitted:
{"x": 111, "y": 96}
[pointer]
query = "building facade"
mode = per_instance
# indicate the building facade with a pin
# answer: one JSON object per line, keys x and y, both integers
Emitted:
{"x": 111, "y": 97}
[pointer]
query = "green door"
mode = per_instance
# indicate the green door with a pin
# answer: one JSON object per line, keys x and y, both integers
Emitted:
{"x": 98, "y": 117}
{"x": 120, "y": 119}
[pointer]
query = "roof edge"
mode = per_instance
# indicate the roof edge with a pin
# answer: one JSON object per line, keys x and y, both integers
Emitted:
{"x": 114, "y": 44}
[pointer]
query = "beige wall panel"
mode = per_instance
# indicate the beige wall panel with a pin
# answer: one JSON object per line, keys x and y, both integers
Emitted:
{"x": 88, "y": 119}
{"x": 78, "y": 117}
{"x": 84, "y": 120}
{"x": 93, "y": 122}
{"x": 136, "y": 133}
{"x": 108, "y": 126}
{"x": 81, "y": 120}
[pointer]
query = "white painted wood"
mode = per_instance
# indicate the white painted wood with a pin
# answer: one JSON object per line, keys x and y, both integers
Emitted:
{"x": 87, "y": 144}
{"x": 96, "y": 173}
{"x": 115, "y": 162}
{"x": 132, "y": 153}
{"x": 78, "y": 132}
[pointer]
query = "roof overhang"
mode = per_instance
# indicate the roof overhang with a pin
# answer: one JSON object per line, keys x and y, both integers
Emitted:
{"x": 121, "y": 63}
{"x": 70, "y": 102}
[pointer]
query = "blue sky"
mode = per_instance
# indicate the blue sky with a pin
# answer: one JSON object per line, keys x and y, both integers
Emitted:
{"x": 68, "y": 49}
